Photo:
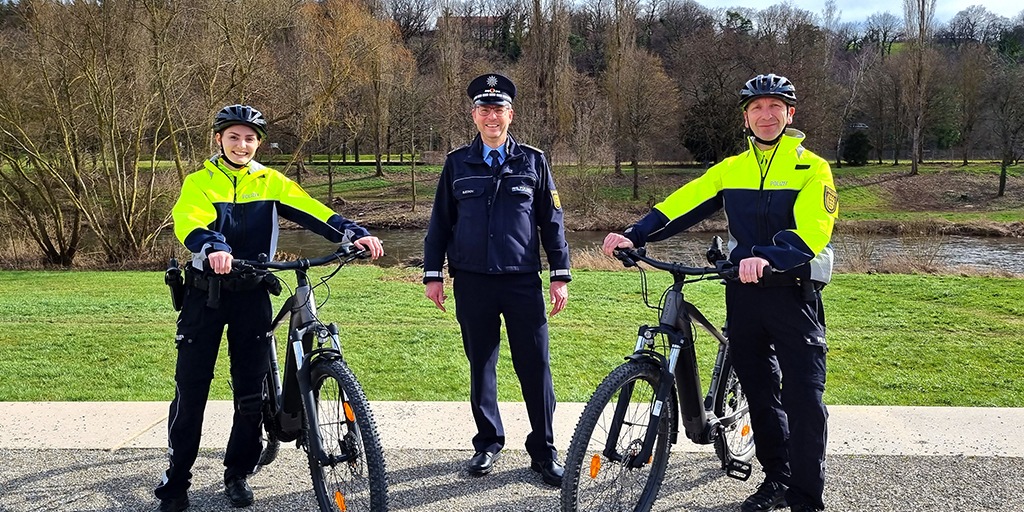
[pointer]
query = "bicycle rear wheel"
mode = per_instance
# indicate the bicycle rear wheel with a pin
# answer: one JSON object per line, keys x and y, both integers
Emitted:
{"x": 598, "y": 478}
{"x": 736, "y": 440}
{"x": 347, "y": 429}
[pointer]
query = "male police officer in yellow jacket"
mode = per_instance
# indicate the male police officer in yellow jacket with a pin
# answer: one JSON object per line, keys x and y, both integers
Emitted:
{"x": 230, "y": 209}
{"x": 781, "y": 205}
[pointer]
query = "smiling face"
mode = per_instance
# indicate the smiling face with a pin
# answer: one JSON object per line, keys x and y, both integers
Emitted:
{"x": 239, "y": 143}
{"x": 492, "y": 121}
{"x": 767, "y": 117}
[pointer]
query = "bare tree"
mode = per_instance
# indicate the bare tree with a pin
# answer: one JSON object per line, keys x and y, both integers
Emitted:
{"x": 882, "y": 30}
{"x": 648, "y": 104}
{"x": 975, "y": 24}
{"x": 547, "y": 83}
{"x": 621, "y": 46}
{"x": 97, "y": 139}
{"x": 971, "y": 67}
{"x": 918, "y": 17}
{"x": 389, "y": 66}
{"x": 450, "y": 61}
{"x": 1006, "y": 102}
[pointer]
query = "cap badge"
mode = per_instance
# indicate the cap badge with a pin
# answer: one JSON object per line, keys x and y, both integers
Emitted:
{"x": 492, "y": 80}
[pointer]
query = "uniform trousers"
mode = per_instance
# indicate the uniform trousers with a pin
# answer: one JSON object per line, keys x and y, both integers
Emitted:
{"x": 777, "y": 345}
{"x": 481, "y": 301}
{"x": 247, "y": 315}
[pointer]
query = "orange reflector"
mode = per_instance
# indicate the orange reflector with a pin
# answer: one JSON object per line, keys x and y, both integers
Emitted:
{"x": 351, "y": 416}
{"x": 339, "y": 499}
{"x": 745, "y": 431}
{"x": 595, "y": 465}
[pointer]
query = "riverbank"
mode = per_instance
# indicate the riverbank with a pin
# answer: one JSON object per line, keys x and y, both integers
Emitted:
{"x": 882, "y": 200}
{"x": 400, "y": 215}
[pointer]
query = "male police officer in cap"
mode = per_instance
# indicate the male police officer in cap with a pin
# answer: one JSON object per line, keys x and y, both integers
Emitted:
{"x": 495, "y": 207}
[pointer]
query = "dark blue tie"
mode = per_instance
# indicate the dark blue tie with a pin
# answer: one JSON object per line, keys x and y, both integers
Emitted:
{"x": 495, "y": 157}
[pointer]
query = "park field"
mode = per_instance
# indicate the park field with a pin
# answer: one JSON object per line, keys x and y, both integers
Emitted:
{"x": 893, "y": 339}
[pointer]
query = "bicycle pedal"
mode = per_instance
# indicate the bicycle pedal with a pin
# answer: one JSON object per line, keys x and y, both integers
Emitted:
{"x": 738, "y": 469}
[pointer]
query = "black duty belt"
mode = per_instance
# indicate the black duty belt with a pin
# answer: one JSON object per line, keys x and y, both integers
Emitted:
{"x": 227, "y": 283}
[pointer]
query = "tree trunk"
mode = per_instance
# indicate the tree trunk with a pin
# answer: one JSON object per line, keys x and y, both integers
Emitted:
{"x": 330, "y": 179}
{"x": 636, "y": 179}
{"x": 1002, "y": 178}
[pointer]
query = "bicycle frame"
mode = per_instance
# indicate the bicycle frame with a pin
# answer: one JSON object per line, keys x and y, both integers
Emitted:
{"x": 295, "y": 395}
{"x": 680, "y": 376}
{"x": 292, "y": 392}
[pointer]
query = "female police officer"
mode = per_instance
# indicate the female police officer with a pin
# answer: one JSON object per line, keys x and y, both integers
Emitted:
{"x": 229, "y": 209}
{"x": 781, "y": 205}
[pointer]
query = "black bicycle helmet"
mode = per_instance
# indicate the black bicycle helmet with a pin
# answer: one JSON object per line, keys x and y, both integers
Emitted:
{"x": 768, "y": 85}
{"x": 240, "y": 114}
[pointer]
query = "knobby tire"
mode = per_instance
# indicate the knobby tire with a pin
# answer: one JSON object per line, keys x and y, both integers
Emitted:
{"x": 358, "y": 485}
{"x": 595, "y": 483}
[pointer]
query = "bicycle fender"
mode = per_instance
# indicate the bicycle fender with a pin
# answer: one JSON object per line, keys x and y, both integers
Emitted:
{"x": 643, "y": 356}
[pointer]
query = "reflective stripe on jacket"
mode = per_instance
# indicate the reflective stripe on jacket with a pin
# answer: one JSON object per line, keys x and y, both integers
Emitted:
{"x": 495, "y": 224}
{"x": 221, "y": 209}
{"x": 783, "y": 213}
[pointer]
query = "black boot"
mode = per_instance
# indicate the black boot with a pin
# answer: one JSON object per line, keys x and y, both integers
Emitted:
{"x": 175, "y": 504}
{"x": 769, "y": 496}
{"x": 238, "y": 491}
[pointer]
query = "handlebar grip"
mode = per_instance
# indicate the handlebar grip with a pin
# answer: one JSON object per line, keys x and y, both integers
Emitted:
{"x": 623, "y": 255}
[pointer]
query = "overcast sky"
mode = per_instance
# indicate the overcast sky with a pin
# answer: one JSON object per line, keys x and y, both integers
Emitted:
{"x": 859, "y": 10}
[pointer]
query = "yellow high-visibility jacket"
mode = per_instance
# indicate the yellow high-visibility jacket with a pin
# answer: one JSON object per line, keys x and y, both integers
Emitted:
{"x": 222, "y": 209}
{"x": 782, "y": 211}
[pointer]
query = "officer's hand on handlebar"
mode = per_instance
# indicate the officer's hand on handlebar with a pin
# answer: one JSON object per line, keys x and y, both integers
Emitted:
{"x": 615, "y": 241}
{"x": 752, "y": 269}
{"x": 372, "y": 244}
{"x": 220, "y": 261}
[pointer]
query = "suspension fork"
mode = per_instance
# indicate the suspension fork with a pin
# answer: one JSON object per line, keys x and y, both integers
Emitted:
{"x": 644, "y": 354}
{"x": 304, "y": 352}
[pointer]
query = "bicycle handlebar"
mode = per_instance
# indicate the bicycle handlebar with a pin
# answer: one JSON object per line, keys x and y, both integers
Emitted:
{"x": 344, "y": 253}
{"x": 723, "y": 268}
{"x": 630, "y": 257}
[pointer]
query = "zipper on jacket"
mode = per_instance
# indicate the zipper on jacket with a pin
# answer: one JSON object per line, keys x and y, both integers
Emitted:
{"x": 764, "y": 200}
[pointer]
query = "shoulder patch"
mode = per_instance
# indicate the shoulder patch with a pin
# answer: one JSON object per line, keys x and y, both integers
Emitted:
{"x": 831, "y": 200}
{"x": 554, "y": 199}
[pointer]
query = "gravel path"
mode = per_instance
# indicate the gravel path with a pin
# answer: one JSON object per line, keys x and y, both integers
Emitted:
{"x": 98, "y": 480}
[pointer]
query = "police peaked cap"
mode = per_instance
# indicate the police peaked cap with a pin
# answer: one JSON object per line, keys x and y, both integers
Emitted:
{"x": 492, "y": 89}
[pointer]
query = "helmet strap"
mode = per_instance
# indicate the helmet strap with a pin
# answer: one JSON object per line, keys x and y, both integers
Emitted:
{"x": 769, "y": 142}
{"x": 227, "y": 160}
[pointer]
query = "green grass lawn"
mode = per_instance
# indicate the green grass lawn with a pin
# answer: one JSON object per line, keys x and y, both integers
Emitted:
{"x": 894, "y": 339}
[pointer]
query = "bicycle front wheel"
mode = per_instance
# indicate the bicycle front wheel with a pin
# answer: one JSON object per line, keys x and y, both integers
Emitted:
{"x": 736, "y": 440}
{"x": 356, "y": 480}
{"x": 598, "y": 474}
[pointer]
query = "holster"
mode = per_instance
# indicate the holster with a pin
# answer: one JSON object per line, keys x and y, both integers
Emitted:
{"x": 176, "y": 282}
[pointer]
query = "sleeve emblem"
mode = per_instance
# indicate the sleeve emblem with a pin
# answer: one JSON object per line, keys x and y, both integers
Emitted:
{"x": 831, "y": 200}
{"x": 555, "y": 201}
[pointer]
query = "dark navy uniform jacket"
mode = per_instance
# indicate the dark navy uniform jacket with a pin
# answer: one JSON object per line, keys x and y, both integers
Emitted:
{"x": 491, "y": 223}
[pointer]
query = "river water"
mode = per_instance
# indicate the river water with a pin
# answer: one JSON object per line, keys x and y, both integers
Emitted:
{"x": 984, "y": 253}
